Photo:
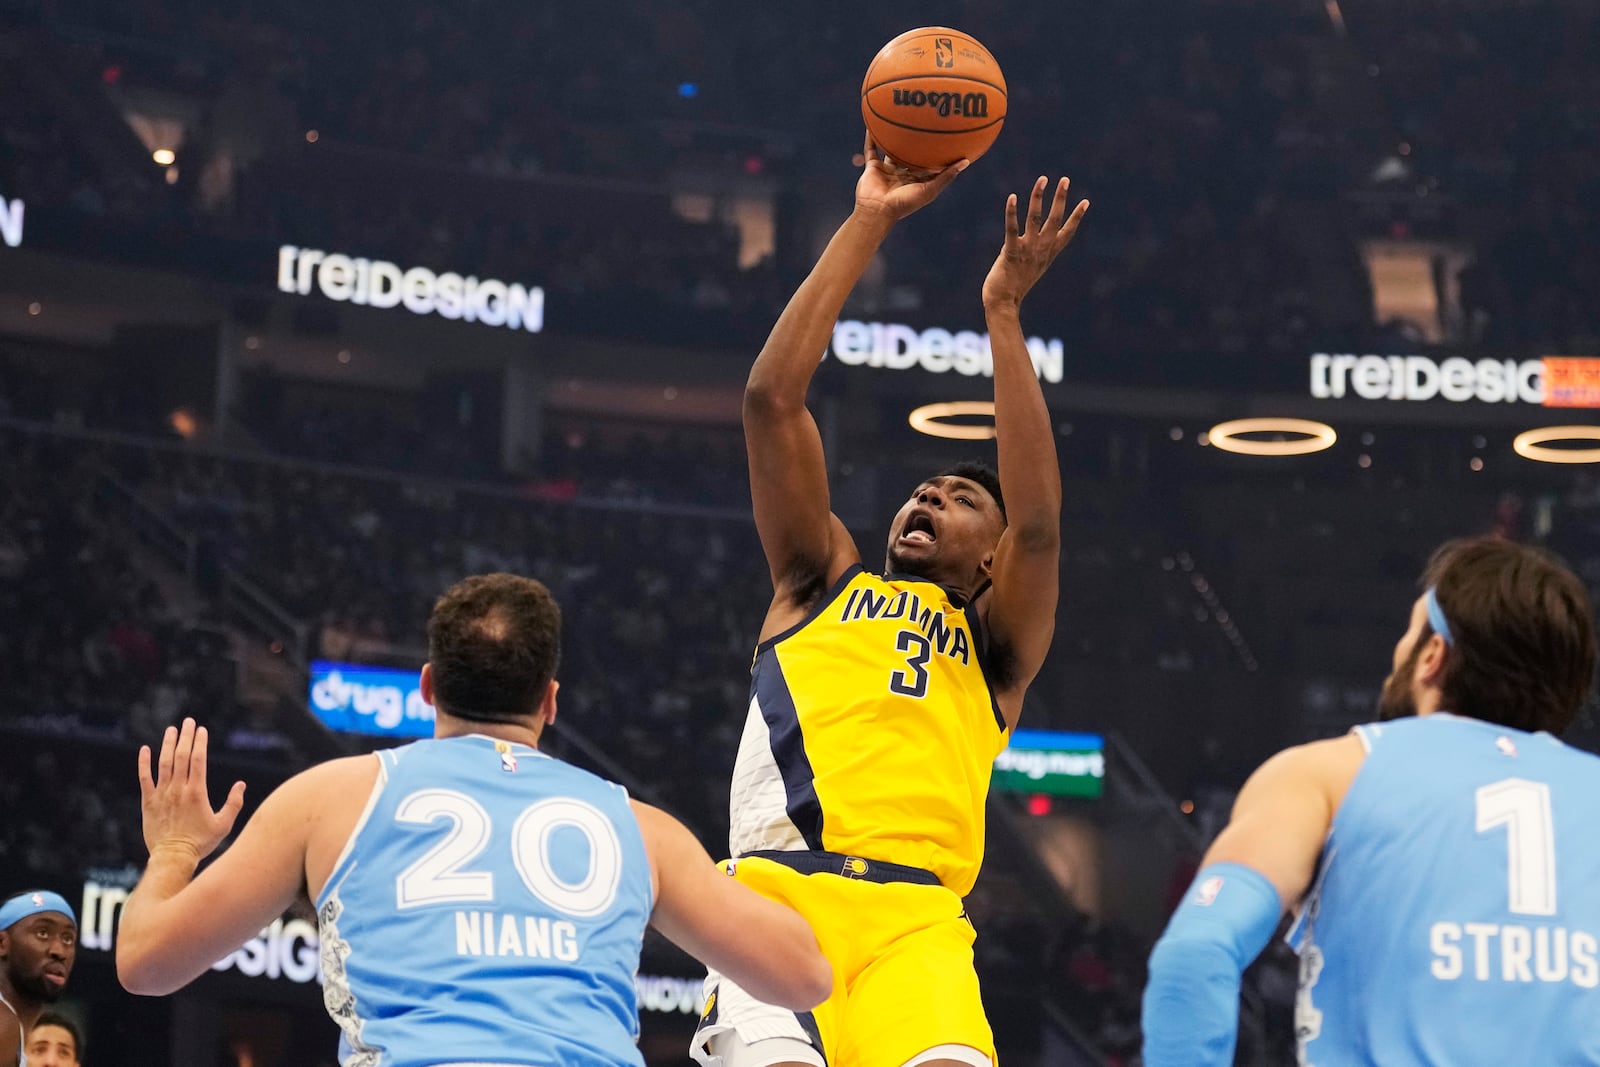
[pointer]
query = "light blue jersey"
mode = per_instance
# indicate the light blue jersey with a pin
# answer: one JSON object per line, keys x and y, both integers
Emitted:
{"x": 488, "y": 910}
{"x": 1455, "y": 919}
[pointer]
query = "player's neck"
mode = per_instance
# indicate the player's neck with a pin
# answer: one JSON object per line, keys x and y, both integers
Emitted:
{"x": 516, "y": 733}
{"x": 24, "y": 1008}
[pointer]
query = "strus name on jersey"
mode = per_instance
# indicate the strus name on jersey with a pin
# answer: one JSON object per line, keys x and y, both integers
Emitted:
{"x": 1512, "y": 953}
{"x": 486, "y": 933}
{"x": 866, "y": 605}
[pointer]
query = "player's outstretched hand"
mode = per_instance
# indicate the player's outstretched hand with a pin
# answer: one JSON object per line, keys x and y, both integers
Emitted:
{"x": 895, "y": 191}
{"x": 177, "y": 809}
{"x": 1029, "y": 250}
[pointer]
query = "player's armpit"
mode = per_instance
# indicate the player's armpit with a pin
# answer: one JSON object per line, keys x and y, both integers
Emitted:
{"x": 173, "y": 929}
{"x": 763, "y": 946}
{"x": 1284, "y": 813}
{"x": 1019, "y": 612}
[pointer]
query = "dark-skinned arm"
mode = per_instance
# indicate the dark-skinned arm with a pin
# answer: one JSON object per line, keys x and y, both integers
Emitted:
{"x": 1021, "y": 605}
{"x": 806, "y": 546}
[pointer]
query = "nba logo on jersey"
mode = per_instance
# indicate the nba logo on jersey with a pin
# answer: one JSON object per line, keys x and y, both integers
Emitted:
{"x": 1206, "y": 895}
{"x": 1506, "y": 746}
{"x": 508, "y": 758}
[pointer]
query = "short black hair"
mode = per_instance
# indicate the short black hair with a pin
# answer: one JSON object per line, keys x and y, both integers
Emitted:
{"x": 55, "y": 1018}
{"x": 494, "y": 641}
{"x": 978, "y": 473}
{"x": 1522, "y": 628}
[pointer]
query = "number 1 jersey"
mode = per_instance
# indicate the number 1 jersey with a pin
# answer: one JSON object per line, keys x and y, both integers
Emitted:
{"x": 488, "y": 910}
{"x": 872, "y": 731}
{"x": 1455, "y": 915}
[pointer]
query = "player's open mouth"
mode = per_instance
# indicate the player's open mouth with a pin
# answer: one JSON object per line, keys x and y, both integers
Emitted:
{"x": 57, "y": 978}
{"x": 919, "y": 530}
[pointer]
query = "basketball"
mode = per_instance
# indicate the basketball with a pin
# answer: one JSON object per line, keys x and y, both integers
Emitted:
{"x": 932, "y": 96}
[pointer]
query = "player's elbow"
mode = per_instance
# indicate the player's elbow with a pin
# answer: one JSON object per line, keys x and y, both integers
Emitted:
{"x": 815, "y": 978}
{"x": 139, "y": 972}
{"x": 804, "y": 980}
{"x": 766, "y": 399}
{"x": 1037, "y": 537}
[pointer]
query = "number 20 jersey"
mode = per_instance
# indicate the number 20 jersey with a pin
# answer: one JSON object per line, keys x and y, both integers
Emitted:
{"x": 488, "y": 910}
{"x": 1455, "y": 918}
{"x": 872, "y": 731}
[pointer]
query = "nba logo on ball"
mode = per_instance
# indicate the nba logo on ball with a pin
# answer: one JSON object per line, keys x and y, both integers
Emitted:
{"x": 933, "y": 96}
{"x": 1206, "y": 895}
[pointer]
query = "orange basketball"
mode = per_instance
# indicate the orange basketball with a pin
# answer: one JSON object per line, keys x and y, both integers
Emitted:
{"x": 932, "y": 96}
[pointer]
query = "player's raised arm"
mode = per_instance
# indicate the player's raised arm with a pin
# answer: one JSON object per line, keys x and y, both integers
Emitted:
{"x": 1021, "y": 607}
{"x": 174, "y": 925}
{"x": 806, "y": 548}
{"x": 1259, "y": 866}
{"x": 763, "y": 946}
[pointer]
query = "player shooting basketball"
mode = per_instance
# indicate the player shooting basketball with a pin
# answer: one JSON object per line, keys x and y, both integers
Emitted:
{"x": 879, "y": 702}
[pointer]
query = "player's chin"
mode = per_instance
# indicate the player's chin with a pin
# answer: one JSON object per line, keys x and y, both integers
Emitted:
{"x": 917, "y": 560}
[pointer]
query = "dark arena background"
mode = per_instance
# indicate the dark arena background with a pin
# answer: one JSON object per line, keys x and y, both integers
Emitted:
{"x": 308, "y": 310}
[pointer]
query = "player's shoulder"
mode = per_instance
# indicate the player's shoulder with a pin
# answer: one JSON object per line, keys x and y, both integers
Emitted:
{"x": 343, "y": 778}
{"x": 1328, "y": 765}
{"x": 1316, "y": 756}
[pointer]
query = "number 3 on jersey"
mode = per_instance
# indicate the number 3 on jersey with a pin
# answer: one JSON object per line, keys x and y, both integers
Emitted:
{"x": 913, "y": 681}
{"x": 438, "y": 878}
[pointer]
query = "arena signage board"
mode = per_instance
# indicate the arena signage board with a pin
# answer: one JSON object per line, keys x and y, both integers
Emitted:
{"x": 11, "y": 213}
{"x": 356, "y": 699}
{"x": 895, "y": 346}
{"x": 381, "y": 284}
{"x": 1552, "y": 381}
{"x": 1050, "y": 761}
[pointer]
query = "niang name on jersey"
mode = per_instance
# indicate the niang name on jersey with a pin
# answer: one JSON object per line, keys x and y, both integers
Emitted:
{"x": 1512, "y": 953}
{"x": 484, "y": 933}
{"x": 952, "y": 641}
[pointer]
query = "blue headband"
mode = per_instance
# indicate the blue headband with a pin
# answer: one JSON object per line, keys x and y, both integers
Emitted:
{"x": 1436, "y": 619}
{"x": 26, "y": 905}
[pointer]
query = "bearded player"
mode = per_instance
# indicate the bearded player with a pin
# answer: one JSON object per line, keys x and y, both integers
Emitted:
{"x": 878, "y": 703}
{"x": 1443, "y": 862}
{"x": 38, "y": 946}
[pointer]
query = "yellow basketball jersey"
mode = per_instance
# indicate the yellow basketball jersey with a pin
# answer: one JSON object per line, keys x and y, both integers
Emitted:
{"x": 872, "y": 731}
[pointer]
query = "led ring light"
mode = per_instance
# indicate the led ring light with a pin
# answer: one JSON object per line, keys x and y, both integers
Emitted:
{"x": 1315, "y": 436}
{"x": 1531, "y": 444}
{"x": 929, "y": 419}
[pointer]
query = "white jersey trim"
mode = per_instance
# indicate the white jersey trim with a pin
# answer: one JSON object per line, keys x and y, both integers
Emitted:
{"x": 758, "y": 803}
{"x": 366, "y": 813}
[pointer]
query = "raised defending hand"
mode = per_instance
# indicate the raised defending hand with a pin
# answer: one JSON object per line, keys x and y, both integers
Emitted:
{"x": 177, "y": 809}
{"x": 895, "y": 191}
{"x": 1030, "y": 250}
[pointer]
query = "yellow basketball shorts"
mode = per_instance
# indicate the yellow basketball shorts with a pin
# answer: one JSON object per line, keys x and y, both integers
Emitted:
{"x": 903, "y": 979}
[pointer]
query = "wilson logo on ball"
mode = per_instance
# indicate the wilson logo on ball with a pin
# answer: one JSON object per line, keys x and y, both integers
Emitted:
{"x": 971, "y": 105}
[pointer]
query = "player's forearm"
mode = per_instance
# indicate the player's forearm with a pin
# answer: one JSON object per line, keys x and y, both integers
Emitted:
{"x": 783, "y": 370}
{"x": 1191, "y": 1002}
{"x": 1030, "y": 476}
{"x": 150, "y": 923}
{"x": 1191, "y": 1006}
